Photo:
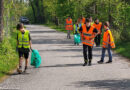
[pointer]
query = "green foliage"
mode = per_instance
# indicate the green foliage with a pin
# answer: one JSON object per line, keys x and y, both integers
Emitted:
{"x": 13, "y": 10}
{"x": 8, "y": 56}
{"x": 123, "y": 48}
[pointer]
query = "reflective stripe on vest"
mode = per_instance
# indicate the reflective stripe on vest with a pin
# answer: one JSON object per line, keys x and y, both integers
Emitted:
{"x": 106, "y": 40}
{"x": 88, "y": 36}
{"x": 23, "y": 40}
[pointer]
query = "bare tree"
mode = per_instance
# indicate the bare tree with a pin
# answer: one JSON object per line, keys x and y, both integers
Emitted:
{"x": 1, "y": 18}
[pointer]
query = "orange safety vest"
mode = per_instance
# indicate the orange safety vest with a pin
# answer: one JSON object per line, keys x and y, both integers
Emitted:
{"x": 88, "y": 36}
{"x": 98, "y": 27}
{"x": 83, "y": 20}
{"x": 69, "y": 25}
{"x": 108, "y": 39}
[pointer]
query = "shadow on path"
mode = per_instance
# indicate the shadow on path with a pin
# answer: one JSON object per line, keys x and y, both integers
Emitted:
{"x": 110, "y": 84}
{"x": 43, "y": 32}
{"x": 62, "y": 65}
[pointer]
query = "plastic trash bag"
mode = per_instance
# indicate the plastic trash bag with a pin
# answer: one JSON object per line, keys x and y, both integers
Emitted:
{"x": 77, "y": 38}
{"x": 35, "y": 58}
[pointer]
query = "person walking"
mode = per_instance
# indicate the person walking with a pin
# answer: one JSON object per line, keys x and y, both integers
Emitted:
{"x": 23, "y": 45}
{"x": 88, "y": 33}
{"x": 98, "y": 26}
{"x": 108, "y": 43}
{"x": 69, "y": 26}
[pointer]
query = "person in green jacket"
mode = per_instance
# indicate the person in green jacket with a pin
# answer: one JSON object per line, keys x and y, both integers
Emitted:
{"x": 76, "y": 27}
{"x": 77, "y": 38}
{"x": 23, "y": 45}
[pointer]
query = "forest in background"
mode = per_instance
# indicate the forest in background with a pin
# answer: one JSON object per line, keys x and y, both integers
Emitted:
{"x": 117, "y": 12}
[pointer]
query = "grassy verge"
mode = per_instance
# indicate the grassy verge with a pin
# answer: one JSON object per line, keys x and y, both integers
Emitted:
{"x": 121, "y": 47}
{"x": 8, "y": 55}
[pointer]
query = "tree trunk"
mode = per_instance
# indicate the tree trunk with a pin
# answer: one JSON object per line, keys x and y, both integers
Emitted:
{"x": 109, "y": 12}
{"x": 34, "y": 13}
{"x": 1, "y": 19}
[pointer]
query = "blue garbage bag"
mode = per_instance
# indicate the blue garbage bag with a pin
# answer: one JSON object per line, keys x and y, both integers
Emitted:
{"x": 77, "y": 38}
{"x": 35, "y": 58}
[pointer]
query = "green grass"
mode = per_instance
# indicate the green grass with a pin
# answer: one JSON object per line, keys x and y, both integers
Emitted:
{"x": 8, "y": 55}
{"x": 123, "y": 48}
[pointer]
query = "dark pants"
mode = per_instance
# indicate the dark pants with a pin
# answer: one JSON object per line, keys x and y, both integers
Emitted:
{"x": 98, "y": 39}
{"x": 87, "y": 52}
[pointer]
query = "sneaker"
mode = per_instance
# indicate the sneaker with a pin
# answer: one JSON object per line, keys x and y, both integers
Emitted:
{"x": 109, "y": 62}
{"x": 19, "y": 70}
{"x": 100, "y": 62}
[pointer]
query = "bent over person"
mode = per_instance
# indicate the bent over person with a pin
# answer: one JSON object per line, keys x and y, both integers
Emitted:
{"x": 23, "y": 45}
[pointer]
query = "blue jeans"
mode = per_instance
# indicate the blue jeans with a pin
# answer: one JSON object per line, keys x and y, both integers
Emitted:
{"x": 109, "y": 53}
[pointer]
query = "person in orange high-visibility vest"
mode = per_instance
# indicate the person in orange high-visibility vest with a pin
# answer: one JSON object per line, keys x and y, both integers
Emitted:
{"x": 98, "y": 26}
{"x": 88, "y": 34}
{"x": 69, "y": 26}
{"x": 83, "y": 20}
{"x": 108, "y": 43}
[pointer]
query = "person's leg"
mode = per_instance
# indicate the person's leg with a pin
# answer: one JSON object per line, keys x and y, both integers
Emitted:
{"x": 109, "y": 53}
{"x": 19, "y": 70}
{"x": 26, "y": 55}
{"x": 90, "y": 54}
{"x": 20, "y": 62}
{"x": 102, "y": 56}
{"x": 85, "y": 55}
{"x": 99, "y": 39}
{"x": 96, "y": 41}
{"x": 69, "y": 34}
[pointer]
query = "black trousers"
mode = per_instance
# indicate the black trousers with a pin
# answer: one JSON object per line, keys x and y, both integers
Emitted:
{"x": 87, "y": 52}
{"x": 98, "y": 39}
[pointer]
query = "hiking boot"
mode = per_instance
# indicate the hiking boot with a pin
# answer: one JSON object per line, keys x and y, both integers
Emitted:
{"x": 109, "y": 62}
{"x": 85, "y": 62}
{"x": 100, "y": 62}
{"x": 19, "y": 70}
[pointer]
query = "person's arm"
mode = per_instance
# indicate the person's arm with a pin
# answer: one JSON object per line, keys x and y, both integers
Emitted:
{"x": 30, "y": 43}
{"x": 80, "y": 29}
{"x": 17, "y": 41}
{"x": 101, "y": 28}
{"x": 95, "y": 30}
